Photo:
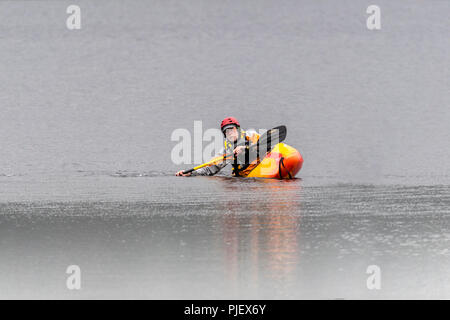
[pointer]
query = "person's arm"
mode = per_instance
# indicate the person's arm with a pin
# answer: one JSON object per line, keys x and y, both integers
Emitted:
{"x": 205, "y": 171}
{"x": 210, "y": 170}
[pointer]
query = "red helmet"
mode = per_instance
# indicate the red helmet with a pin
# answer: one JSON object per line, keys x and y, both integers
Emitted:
{"x": 229, "y": 122}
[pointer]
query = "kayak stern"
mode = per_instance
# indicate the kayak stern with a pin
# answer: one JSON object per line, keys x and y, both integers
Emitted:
{"x": 283, "y": 162}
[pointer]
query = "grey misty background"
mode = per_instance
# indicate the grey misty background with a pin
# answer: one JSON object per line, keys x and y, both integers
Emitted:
{"x": 361, "y": 106}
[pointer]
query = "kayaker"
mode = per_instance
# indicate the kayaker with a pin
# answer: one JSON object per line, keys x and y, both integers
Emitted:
{"x": 236, "y": 141}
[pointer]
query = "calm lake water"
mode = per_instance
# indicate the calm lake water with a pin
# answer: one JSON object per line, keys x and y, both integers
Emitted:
{"x": 86, "y": 176}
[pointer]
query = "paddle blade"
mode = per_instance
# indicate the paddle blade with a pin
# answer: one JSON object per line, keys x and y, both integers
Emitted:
{"x": 264, "y": 145}
{"x": 270, "y": 138}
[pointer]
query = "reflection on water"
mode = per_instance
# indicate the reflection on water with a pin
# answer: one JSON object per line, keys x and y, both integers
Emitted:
{"x": 232, "y": 238}
{"x": 267, "y": 238}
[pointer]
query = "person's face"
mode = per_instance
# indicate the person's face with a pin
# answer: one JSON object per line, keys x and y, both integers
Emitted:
{"x": 231, "y": 134}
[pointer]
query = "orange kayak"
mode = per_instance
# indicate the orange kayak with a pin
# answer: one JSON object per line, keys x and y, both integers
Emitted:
{"x": 283, "y": 162}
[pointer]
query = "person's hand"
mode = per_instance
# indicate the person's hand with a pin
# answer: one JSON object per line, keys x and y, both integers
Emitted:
{"x": 238, "y": 150}
{"x": 180, "y": 173}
